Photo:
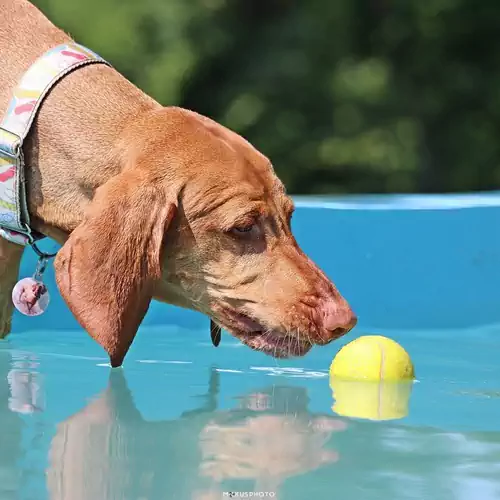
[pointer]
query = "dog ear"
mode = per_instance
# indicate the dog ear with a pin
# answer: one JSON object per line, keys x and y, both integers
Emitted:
{"x": 106, "y": 269}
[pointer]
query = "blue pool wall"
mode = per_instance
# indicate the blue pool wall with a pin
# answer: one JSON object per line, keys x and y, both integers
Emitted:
{"x": 403, "y": 262}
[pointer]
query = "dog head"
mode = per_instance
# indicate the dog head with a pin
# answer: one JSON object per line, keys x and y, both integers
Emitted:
{"x": 197, "y": 218}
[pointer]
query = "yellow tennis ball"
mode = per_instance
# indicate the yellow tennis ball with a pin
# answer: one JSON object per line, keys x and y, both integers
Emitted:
{"x": 374, "y": 358}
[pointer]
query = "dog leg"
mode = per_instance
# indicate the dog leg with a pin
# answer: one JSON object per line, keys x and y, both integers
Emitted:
{"x": 10, "y": 260}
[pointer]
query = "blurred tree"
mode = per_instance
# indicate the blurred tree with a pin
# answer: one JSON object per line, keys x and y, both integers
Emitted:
{"x": 343, "y": 96}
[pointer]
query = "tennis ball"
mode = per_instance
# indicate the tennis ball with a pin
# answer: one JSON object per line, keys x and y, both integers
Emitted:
{"x": 372, "y": 358}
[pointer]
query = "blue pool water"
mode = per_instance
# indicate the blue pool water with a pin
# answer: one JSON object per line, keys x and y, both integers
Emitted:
{"x": 183, "y": 420}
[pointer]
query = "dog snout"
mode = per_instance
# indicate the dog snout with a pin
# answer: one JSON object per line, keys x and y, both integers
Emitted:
{"x": 335, "y": 318}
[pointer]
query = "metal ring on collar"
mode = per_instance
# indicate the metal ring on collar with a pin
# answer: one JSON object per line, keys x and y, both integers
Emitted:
{"x": 41, "y": 254}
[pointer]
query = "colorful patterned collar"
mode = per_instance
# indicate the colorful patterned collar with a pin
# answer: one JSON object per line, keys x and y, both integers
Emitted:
{"x": 15, "y": 126}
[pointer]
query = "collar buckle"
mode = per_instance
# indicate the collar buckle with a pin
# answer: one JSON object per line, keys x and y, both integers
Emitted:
{"x": 10, "y": 144}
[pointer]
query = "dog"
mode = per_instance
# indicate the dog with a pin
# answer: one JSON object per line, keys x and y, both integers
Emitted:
{"x": 152, "y": 202}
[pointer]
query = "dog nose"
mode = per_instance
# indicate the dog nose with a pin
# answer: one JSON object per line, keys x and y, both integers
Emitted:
{"x": 336, "y": 318}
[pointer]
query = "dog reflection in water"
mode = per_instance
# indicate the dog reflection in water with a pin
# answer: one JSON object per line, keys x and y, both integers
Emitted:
{"x": 108, "y": 450}
{"x": 265, "y": 443}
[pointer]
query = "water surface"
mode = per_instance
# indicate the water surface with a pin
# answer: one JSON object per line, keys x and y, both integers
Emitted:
{"x": 193, "y": 422}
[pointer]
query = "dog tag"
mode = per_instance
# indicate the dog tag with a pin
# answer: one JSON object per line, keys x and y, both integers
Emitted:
{"x": 30, "y": 295}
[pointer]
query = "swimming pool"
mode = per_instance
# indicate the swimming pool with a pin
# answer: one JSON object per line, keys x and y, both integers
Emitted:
{"x": 183, "y": 420}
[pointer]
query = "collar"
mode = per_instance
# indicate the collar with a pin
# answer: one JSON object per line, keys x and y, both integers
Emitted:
{"x": 34, "y": 85}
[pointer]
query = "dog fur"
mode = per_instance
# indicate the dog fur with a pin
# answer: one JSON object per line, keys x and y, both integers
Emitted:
{"x": 153, "y": 202}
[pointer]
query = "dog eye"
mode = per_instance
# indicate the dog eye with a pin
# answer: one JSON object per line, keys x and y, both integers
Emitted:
{"x": 247, "y": 227}
{"x": 243, "y": 229}
{"x": 246, "y": 230}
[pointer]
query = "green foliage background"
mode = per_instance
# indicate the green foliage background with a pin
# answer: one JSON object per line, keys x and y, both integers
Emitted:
{"x": 343, "y": 95}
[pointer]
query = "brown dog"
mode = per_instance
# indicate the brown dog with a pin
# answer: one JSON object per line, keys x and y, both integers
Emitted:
{"x": 153, "y": 202}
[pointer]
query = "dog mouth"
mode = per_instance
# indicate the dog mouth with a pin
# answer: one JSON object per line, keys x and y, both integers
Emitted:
{"x": 276, "y": 343}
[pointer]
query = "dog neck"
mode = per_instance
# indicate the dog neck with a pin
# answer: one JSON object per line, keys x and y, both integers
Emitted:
{"x": 74, "y": 144}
